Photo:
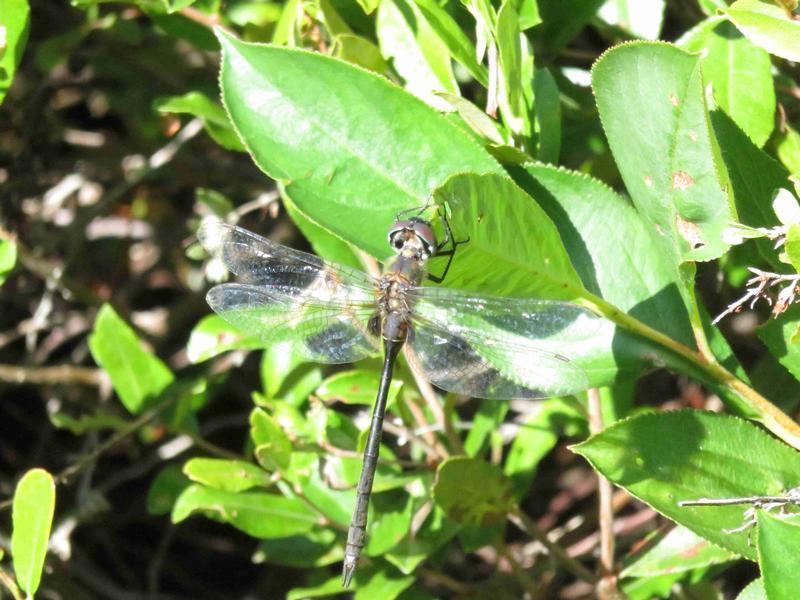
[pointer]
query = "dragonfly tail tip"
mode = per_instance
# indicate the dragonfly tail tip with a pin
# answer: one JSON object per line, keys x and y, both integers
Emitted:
{"x": 348, "y": 569}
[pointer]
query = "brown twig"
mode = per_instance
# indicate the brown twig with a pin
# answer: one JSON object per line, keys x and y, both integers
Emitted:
{"x": 605, "y": 510}
{"x": 53, "y": 375}
{"x": 526, "y": 524}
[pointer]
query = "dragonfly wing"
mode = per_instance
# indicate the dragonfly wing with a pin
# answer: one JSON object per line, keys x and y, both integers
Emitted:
{"x": 258, "y": 261}
{"x": 328, "y": 331}
{"x": 499, "y": 348}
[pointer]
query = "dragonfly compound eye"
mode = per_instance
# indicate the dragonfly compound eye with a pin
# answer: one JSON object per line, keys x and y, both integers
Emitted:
{"x": 425, "y": 233}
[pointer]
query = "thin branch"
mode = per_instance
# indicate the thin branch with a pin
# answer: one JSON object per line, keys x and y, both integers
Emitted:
{"x": 53, "y": 375}
{"x": 524, "y": 579}
{"x": 605, "y": 492}
{"x": 526, "y": 524}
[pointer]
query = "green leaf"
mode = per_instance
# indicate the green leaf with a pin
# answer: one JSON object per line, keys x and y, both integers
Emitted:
{"x": 605, "y": 236}
{"x": 14, "y": 23}
{"x": 667, "y": 154}
{"x": 214, "y": 118}
{"x": 478, "y": 121}
{"x": 8, "y": 258}
{"x": 415, "y": 50}
{"x": 273, "y": 446}
{"x": 510, "y": 92}
{"x": 257, "y": 514}
{"x": 324, "y": 243}
{"x": 487, "y": 419}
{"x": 89, "y": 422}
{"x": 666, "y": 458}
{"x": 778, "y": 543}
{"x": 278, "y": 362}
{"x": 754, "y": 177}
{"x": 454, "y": 38}
{"x": 528, "y": 11}
{"x": 739, "y": 73}
{"x": 358, "y": 386}
{"x": 562, "y": 21}
{"x": 473, "y": 492}
{"x": 537, "y": 435}
{"x": 787, "y": 147}
{"x": 768, "y": 26}
{"x": 547, "y": 116}
{"x": 32, "y": 517}
{"x": 679, "y": 550}
{"x": 359, "y": 51}
{"x": 316, "y": 548}
{"x": 642, "y": 18}
{"x": 754, "y": 591}
{"x": 165, "y": 488}
{"x": 349, "y": 146}
{"x": 483, "y": 209}
{"x": 781, "y": 337}
{"x": 137, "y": 375}
{"x": 213, "y": 335}
{"x": 792, "y": 246}
{"x": 224, "y": 474}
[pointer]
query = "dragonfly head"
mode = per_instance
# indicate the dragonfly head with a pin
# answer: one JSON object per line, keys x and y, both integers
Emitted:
{"x": 413, "y": 237}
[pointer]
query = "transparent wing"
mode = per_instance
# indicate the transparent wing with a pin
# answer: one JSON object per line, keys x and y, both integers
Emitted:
{"x": 499, "y": 348}
{"x": 288, "y": 295}
{"x": 328, "y": 331}
{"x": 258, "y": 261}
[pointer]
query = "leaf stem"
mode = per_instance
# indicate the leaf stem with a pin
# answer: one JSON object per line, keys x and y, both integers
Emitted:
{"x": 770, "y": 415}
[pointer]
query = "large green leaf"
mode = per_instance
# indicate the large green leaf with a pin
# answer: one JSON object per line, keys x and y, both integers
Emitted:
{"x": 768, "y": 26}
{"x": 138, "y": 376}
{"x": 492, "y": 213}
{"x": 349, "y": 146}
{"x": 32, "y": 517}
{"x": 562, "y": 21}
{"x": 666, "y": 458}
{"x": 14, "y": 22}
{"x": 606, "y": 237}
{"x": 257, "y": 514}
{"x": 651, "y": 103}
{"x": 778, "y": 545}
{"x": 739, "y": 73}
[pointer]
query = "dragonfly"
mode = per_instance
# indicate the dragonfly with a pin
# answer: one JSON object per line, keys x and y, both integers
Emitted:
{"x": 470, "y": 344}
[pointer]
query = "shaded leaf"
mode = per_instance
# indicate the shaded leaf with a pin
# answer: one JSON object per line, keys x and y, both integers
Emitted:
{"x": 273, "y": 446}
{"x": 258, "y": 514}
{"x": 213, "y": 335}
{"x": 32, "y": 516}
{"x": 780, "y": 336}
{"x": 473, "y": 492}
{"x": 137, "y": 375}
{"x": 165, "y": 488}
